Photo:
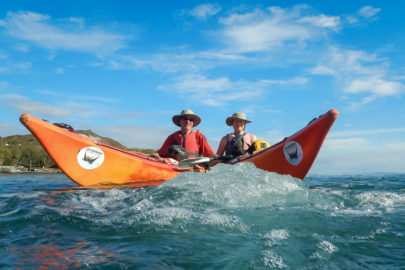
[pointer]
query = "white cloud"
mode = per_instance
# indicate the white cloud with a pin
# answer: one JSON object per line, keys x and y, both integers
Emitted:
{"x": 8, "y": 130}
{"x": 136, "y": 136}
{"x": 38, "y": 28}
{"x": 396, "y": 146}
{"x": 217, "y": 55}
{"x": 3, "y": 84}
{"x": 376, "y": 87}
{"x": 346, "y": 144}
{"x": 77, "y": 97}
{"x": 22, "y": 104}
{"x": 22, "y": 66}
{"x": 359, "y": 162}
{"x": 16, "y": 67}
{"x": 259, "y": 30}
{"x": 204, "y": 11}
{"x": 355, "y": 152}
{"x": 321, "y": 69}
{"x": 351, "y": 133}
{"x": 359, "y": 155}
{"x": 22, "y": 47}
{"x": 217, "y": 92}
{"x": 323, "y": 21}
{"x": 362, "y": 16}
{"x": 345, "y": 62}
{"x": 4, "y": 70}
{"x": 293, "y": 81}
{"x": 368, "y": 11}
{"x": 362, "y": 75}
{"x": 60, "y": 71}
{"x": 212, "y": 92}
{"x": 174, "y": 61}
{"x": 163, "y": 62}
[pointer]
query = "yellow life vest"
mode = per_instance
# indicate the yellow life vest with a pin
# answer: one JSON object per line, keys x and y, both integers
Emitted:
{"x": 260, "y": 145}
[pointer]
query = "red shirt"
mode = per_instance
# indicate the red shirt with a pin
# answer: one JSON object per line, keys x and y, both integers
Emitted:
{"x": 204, "y": 149}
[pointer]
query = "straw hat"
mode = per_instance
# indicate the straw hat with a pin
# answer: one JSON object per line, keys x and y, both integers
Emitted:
{"x": 237, "y": 115}
{"x": 196, "y": 120}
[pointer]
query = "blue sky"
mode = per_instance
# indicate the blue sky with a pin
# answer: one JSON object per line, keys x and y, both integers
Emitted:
{"x": 124, "y": 68}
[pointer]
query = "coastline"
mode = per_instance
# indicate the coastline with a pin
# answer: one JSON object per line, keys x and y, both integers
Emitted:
{"x": 24, "y": 170}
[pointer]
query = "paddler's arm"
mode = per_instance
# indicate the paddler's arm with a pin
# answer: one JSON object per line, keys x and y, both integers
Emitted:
{"x": 222, "y": 146}
{"x": 166, "y": 144}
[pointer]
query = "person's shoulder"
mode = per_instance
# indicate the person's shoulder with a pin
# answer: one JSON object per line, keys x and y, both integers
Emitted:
{"x": 224, "y": 138}
{"x": 253, "y": 137}
{"x": 198, "y": 133}
{"x": 174, "y": 134}
{"x": 250, "y": 135}
{"x": 228, "y": 136}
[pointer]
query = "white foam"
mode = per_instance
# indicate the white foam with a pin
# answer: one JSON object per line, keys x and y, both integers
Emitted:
{"x": 224, "y": 221}
{"x": 26, "y": 195}
{"x": 275, "y": 237}
{"x": 241, "y": 185}
{"x": 171, "y": 215}
{"x": 273, "y": 260}
{"x": 383, "y": 200}
{"x": 327, "y": 247}
{"x": 164, "y": 216}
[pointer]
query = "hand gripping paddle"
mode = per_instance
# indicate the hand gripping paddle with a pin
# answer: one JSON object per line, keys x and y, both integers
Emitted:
{"x": 190, "y": 162}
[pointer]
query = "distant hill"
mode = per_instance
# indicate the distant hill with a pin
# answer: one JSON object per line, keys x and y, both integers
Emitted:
{"x": 30, "y": 139}
{"x": 19, "y": 139}
{"x": 26, "y": 151}
{"x": 90, "y": 134}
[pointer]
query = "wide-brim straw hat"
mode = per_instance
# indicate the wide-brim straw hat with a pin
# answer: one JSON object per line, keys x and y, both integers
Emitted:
{"x": 196, "y": 120}
{"x": 237, "y": 115}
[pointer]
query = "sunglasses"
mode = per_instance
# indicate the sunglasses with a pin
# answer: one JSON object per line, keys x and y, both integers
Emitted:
{"x": 187, "y": 119}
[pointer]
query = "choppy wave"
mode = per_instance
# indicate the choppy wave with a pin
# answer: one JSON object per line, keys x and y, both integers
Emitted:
{"x": 237, "y": 217}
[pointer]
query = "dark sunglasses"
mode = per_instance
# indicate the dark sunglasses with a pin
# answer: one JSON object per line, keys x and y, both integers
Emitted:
{"x": 187, "y": 119}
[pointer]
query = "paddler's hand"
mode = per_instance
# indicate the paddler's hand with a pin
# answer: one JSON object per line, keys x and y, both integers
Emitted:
{"x": 214, "y": 162}
{"x": 155, "y": 155}
{"x": 200, "y": 168}
{"x": 244, "y": 156}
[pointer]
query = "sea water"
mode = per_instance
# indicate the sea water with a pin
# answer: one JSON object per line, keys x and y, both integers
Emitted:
{"x": 233, "y": 217}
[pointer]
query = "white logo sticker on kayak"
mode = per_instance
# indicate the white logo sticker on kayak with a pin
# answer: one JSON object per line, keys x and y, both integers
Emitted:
{"x": 90, "y": 157}
{"x": 293, "y": 152}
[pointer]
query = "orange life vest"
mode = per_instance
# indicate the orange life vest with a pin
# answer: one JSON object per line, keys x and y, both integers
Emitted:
{"x": 188, "y": 142}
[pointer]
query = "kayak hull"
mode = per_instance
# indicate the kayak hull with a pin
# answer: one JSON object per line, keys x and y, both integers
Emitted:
{"x": 89, "y": 162}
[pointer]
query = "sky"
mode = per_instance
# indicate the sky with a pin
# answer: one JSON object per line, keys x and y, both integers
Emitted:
{"x": 124, "y": 68}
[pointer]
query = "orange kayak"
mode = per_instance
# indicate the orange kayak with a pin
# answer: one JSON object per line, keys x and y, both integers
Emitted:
{"x": 89, "y": 162}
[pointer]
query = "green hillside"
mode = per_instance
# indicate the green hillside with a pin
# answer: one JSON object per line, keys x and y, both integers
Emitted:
{"x": 25, "y": 150}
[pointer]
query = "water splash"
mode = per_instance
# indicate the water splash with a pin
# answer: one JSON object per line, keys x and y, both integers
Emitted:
{"x": 231, "y": 217}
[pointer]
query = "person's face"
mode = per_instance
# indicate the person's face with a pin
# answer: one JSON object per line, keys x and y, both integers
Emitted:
{"x": 186, "y": 123}
{"x": 238, "y": 125}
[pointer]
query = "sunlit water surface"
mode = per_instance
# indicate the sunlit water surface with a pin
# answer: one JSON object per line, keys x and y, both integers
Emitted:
{"x": 233, "y": 217}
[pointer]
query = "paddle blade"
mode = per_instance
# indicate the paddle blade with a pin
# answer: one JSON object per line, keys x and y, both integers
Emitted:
{"x": 190, "y": 162}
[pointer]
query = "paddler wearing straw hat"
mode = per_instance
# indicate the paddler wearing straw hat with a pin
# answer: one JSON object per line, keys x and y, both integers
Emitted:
{"x": 193, "y": 141}
{"x": 236, "y": 143}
